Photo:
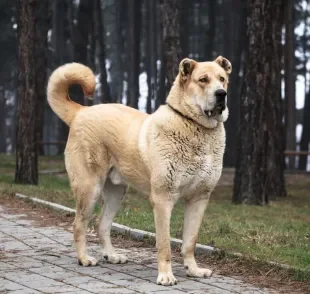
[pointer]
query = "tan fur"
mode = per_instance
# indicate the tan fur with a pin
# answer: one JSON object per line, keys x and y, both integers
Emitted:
{"x": 174, "y": 153}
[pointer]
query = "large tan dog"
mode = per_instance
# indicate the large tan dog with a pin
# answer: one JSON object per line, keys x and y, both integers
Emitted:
{"x": 174, "y": 153}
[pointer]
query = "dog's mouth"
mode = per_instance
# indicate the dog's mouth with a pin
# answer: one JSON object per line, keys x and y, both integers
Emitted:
{"x": 217, "y": 110}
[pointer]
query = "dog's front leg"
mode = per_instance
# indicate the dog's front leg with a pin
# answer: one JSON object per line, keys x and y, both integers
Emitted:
{"x": 162, "y": 213}
{"x": 194, "y": 211}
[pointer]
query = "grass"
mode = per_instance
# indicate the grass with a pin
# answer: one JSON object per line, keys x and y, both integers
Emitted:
{"x": 279, "y": 232}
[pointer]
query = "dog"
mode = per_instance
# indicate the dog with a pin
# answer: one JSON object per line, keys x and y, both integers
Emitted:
{"x": 174, "y": 153}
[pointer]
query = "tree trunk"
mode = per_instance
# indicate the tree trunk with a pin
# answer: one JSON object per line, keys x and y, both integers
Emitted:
{"x": 151, "y": 54}
{"x": 171, "y": 40}
{"x": 305, "y": 137}
{"x": 80, "y": 43}
{"x": 26, "y": 136}
{"x": 2, "y": 120}
{"x": 42, "y": 27}
{"x": 290, "y": 115}
{"x": 238, "y": 43}
{"x": 209, "y": 46}
{"x": 105, "y": 88}
{"x": 259, "y": 139}
{"x": 134, "y": 32}
{"x": 60, "y": 57}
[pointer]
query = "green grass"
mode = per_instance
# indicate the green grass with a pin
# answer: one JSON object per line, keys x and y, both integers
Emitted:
{"x": 279, "y": 232}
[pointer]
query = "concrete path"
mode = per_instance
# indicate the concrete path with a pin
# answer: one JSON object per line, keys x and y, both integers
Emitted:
{"x": 42, "y": 260}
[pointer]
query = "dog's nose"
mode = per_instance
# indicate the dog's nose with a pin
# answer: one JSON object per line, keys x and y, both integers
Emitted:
{"x": 220, "y": 95}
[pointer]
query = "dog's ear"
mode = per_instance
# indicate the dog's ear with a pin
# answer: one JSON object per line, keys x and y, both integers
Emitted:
{"x": 224, "y": 63}
{"x": 186, "y": 68}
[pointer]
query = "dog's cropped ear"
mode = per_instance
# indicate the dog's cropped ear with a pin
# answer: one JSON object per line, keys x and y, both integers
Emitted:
{"x": 186, "y": 68}
{"x": 224, "y": 63}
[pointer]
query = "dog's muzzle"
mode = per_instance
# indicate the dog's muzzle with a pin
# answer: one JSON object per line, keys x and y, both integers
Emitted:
{"x": 220, "y": 104}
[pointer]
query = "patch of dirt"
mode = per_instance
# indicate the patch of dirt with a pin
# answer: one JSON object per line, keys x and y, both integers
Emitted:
{"x": 249, "y": 271}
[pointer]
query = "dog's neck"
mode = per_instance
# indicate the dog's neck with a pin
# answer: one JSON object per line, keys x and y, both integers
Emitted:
{"x": 180, "y": 113}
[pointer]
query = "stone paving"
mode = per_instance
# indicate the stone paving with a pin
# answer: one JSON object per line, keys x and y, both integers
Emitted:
{"x": 42, "y": 260}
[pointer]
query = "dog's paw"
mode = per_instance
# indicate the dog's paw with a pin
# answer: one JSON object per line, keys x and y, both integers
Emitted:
{"x": 115, "y": 258}
{"x": 197, "y": 272}
{"x": 166, "y": 279}
{"x": 87, "y": 261}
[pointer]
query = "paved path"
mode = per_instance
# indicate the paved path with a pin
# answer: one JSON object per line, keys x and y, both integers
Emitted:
{"x": 41, "y": 260}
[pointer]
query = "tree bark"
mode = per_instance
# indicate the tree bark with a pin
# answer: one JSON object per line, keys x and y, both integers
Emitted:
{"x": 210, "y": 38}
{"x": 26, "y": 136}
{"x": 290, "y": 116}
{"x": 151, "y": 54}
{"x": 238, "y": 44}
{"x": 60, "y": 56}
{"x": 171, "y": 40}
{"x": 80, "y": 43}
{"x": 2, "y": 120}
{"x": 260, "y": 145}
{"x": 305, "y": 137}
{"x": 42, "y": 27}
{"x": 105, "y": 93}
{"x": 134, "y": 33}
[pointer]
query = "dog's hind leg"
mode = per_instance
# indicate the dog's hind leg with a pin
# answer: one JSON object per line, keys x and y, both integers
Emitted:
{"x": 86, "y": 195}
{"x": 112, "y": 198}
{"x": 194, "y": 212}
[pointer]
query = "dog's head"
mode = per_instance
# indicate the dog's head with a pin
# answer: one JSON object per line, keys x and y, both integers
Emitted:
{"x": 205, "y": 88}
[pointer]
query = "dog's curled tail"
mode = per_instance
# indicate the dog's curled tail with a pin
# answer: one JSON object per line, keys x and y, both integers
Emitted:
{"x": 58, "y": 86}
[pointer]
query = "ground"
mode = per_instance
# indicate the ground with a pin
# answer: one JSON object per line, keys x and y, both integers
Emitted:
{"x": 279, "y": 232}
{"x": 34, "y": 239}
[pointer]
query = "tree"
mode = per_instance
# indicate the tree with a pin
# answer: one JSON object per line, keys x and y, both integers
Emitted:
{"x": 80, "y": 41}
{"x": 2, "y": 120}
{"x": 305, "y": 137}
{"x": 60, "y": 56}
{"x": 151, "y": 53}
{"x": 105, "y": 88}
{"x": 134, "y": 33}
{"x": 171, "y": 40}
{"x": 30, "y": 43}
{"x": 237, "y": 12}
{"x": 260, "y": 140}
{"x": 42, "y": 26}
{"x": 290, "y": 110}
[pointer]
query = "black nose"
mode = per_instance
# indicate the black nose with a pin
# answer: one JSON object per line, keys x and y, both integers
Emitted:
{"x": 220, "y": 95}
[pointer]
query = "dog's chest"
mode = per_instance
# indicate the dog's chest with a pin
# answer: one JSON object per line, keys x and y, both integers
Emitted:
{"x": 197, "y": 166}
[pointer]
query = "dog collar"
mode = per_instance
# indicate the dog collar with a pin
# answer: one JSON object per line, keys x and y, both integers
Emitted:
{"x": 180, "y": 113}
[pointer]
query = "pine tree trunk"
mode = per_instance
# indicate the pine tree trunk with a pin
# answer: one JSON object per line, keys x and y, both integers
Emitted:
{"x": 305, "y": 137}
{"x": 105, "y": 92}
{"x": 171, "y": 40}
{"x": 2, "y": 121}
{"x": 151, "y": 53}
{"x": 290, "y": 111}
{"x": 26, "y": 136}
{"x": 134, "y": 32}
{"x": 238, "y": 43}
{"x": 42, "y": 27}
{"x": 80, "y": 43}
{"x": 60, "y": 57}
{"x": 210, "y": 36}
{"x": 259, "y": 139}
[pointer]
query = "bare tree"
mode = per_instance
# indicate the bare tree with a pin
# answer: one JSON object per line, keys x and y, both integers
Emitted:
{"x": 2, "y": 120}
{"x": 30, "y": 43}
{"x": 260, "y": 140}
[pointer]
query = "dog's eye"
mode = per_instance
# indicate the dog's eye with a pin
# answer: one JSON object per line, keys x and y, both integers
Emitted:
{"x": 203, "y": 80}
{"x": 222, "y": 79}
